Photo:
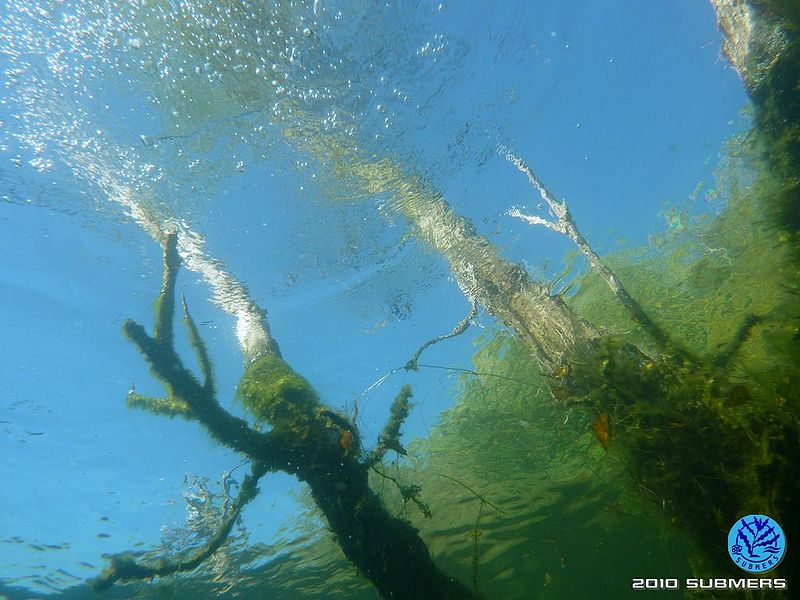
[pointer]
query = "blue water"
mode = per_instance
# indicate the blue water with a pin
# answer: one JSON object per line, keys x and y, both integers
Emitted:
{"x": 621, "y": 107}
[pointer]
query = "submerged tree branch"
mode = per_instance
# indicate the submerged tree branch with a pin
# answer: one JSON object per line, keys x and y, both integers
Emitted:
{"x": 187, "y": 396}
{"x": 411, "y": 365}
{"x": 543, "y": 322}
{"x": 564, "y": 224}
{"x": 306, "y": 439}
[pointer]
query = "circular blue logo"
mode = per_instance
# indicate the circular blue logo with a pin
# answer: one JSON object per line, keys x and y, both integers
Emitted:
{"x": 756, "y": 543}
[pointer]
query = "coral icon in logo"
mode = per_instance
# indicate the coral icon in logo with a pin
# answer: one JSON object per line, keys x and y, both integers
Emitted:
{"x": 756, "y": 543}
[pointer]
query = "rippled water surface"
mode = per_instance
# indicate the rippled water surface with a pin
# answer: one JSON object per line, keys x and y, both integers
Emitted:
{"x": 299, "y": 148}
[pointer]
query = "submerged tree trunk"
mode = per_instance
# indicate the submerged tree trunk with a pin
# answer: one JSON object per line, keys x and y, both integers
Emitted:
{"x": 542, "y": 321}
{"x": 762, "y": 42}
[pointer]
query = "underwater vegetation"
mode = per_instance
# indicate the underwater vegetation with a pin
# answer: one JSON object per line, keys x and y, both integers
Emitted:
{"x": 700, "y": 416}
{"x": 306, "y": 439}
{"x": 708, "y": 426}
{"x": 703, "y": 410}
{"x": 700, "y": 420}
{"x": 667, "y": 384}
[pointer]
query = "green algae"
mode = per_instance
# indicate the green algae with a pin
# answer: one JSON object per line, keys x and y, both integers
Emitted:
{"x": 702, "y": 433}
{"x": 275, "y": 393}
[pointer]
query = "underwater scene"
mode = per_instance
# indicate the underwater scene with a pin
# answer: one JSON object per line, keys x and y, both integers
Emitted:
{"x": 310, "y": 299}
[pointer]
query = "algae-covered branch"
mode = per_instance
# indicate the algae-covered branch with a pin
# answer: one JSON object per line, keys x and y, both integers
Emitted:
{"x": 306, "y": 439}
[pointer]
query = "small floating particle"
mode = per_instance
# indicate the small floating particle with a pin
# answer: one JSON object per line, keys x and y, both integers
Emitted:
{"x": 103, "y": 535}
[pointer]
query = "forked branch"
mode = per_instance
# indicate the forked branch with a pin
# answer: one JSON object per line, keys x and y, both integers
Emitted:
{"x": 306, "y": 439}
{"x": 186, "y": 396}
{"x": 563, "y": 223}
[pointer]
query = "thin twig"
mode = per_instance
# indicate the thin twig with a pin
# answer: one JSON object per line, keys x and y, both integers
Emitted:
{"x": 407, "y": 492}
{"x": 479, "y": 374}
{"x": 473, "y": 492}
{"x": 124, "y": 567}
{"x": 411, "y": 365}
